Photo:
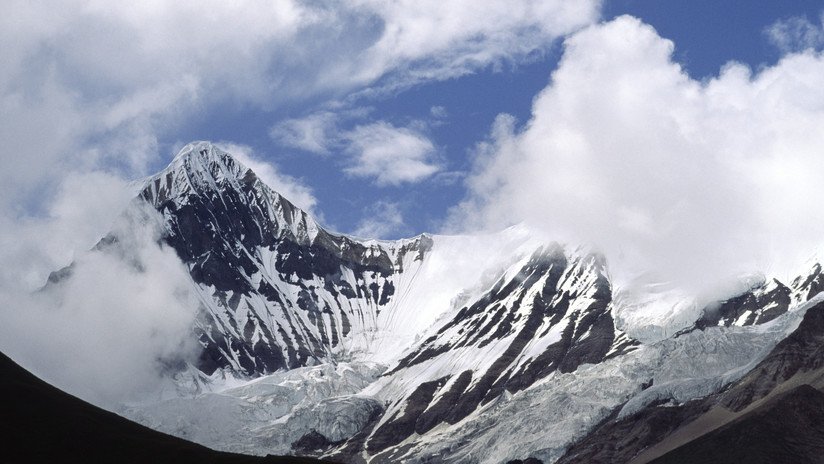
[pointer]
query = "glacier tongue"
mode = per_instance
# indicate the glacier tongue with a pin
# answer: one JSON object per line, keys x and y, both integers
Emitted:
{"x": 268, "y": 414}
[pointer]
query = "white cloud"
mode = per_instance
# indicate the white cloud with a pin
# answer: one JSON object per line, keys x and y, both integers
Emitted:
{"x": 438, "y": 112}
{"x": 382, "y": 220}
{"x": 88, "y": 84}
{"x": 97, "y": 76}
{"x": 796, "y": 34}
{"x": 696, "y": 180}
{"x": 390, "y": 155}
{"x": 313, "y": 133}
{"x": 108, "y": 332}
{"x": 88, "y": 87}
{"x": 85, "y": 207}
{"x": 432, "y": 39}
{"x": 291, "y": 188}
{"x": 376, "y": 150}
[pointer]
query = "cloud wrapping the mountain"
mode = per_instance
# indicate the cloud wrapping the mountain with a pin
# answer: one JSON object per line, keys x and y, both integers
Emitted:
{"x": 697, "y": 180}
{"x": 109, "y": 330}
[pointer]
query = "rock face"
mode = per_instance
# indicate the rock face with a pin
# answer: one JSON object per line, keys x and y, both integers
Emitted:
{"x": 435, "y": 348}
{"x": 279, "y": 291}
{"x": 787, "y": 428}
{"x": 551, "y": 314}
{"x": 758, "y": 305}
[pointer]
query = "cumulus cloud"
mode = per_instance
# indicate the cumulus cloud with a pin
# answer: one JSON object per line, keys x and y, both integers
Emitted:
{"x": 89, "y": 85}
{"x": 372, "y": 149}
{"x": 85, "y": 207}
{"x": 796, "y": 34}
{"x": 104, "y": 80}
{"x": 697, "y": 180}
{"x": 390, "y": 155}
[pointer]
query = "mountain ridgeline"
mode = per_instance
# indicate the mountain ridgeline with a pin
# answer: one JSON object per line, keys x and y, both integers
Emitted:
{"x": 434, "y": 348}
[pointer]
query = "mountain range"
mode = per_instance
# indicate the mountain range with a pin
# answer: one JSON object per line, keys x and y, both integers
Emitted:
{"x": 493, "y": 348}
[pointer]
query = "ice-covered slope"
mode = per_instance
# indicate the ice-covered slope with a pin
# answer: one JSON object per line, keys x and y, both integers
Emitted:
{"x": 548, "y": 312}
{"x": 280, "y": 292}
{"x": 473, "y": 349}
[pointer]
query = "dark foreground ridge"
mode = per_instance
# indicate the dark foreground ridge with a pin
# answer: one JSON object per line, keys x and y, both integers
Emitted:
{"x": 39, "y": 424}
{"x": 788, "y": 428}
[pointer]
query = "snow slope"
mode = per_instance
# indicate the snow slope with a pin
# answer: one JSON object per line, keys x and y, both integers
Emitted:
{"x": 447, "y": 348}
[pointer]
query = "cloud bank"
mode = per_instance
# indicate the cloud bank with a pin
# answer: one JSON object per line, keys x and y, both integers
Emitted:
{"x": 91, "y": 86}
{"x": 115, "y": 326}
{"x": 697, "y": 180}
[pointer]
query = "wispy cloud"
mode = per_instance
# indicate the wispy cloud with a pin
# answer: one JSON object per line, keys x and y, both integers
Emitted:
{"x": 796, "y": 34}
{"x": 390, "y": 155}
{"x": 384, "y": 219}
{"x": 314, "y": 133}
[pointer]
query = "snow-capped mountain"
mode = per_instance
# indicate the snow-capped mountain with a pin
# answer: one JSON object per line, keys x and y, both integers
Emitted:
{"x": 279, "y": 291}
{"x": 431, "y": 349}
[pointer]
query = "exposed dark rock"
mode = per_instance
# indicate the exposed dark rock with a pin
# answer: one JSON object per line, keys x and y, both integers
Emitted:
{"x": 313, "y": 443}
{"x": 614, "y": 441}
{"x": 398, "y": 428}
{"x": 810, "y": 285}
{"x": 802, "y": 351}
{"x": 217, "y": 214}
{"x": 755, "y": 306}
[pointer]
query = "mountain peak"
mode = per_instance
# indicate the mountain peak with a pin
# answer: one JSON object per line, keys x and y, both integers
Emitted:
{"x": 199, "y": 148}
{"x": 199, "y": 168}
{"x": 204, "y": 183}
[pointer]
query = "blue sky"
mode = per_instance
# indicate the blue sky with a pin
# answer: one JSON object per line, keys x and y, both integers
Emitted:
{"x": 707, "y": 34}
{"x": 638, "y": 133}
